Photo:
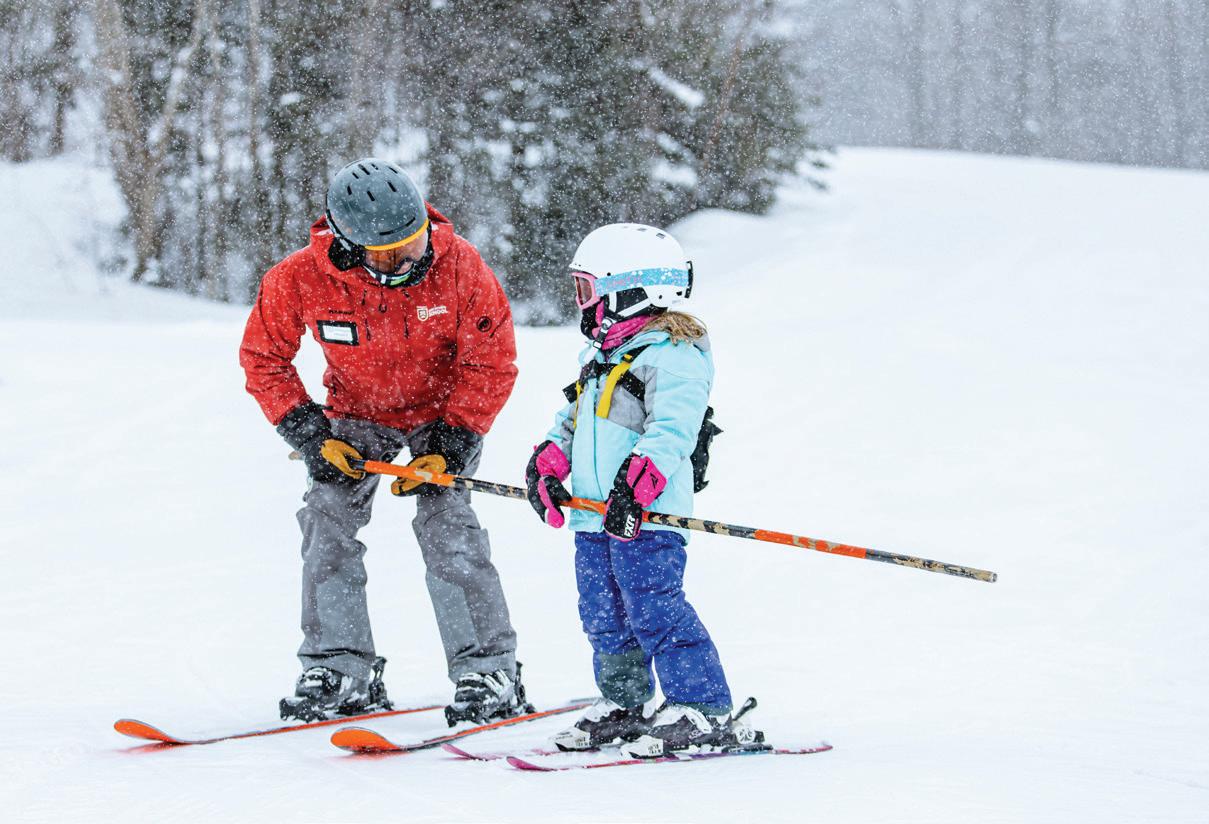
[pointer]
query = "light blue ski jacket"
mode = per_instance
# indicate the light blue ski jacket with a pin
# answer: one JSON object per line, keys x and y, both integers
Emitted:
{"x": 663, "y": 426}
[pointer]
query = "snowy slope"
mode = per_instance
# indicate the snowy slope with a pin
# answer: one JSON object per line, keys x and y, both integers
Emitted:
{"x": 994, "y": 362}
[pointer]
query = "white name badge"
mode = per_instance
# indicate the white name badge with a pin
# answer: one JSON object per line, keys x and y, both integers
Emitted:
{"x": 338, "y": 331}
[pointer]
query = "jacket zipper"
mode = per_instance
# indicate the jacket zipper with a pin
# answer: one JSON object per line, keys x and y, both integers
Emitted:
{"x": 365, "y": 314}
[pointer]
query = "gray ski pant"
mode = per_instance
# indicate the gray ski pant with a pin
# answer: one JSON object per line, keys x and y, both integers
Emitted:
{"x": 462, "y": 582}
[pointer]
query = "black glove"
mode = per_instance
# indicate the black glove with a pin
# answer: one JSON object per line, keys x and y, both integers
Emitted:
{"x": 308, "y": 430}
{"x": 453, "y": 444}
{"x": 638, "y": 483}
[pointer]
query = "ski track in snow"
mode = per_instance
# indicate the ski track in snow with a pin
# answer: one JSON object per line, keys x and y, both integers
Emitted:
{"x": 994, "y": 362}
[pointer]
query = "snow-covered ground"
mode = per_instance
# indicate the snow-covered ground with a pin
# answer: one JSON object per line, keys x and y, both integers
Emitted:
{"x": 994, "y": 362}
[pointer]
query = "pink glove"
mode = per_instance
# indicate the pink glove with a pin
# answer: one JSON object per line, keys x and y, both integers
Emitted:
{"x": 543, "y": 478}
{"x": 638, "y": 483}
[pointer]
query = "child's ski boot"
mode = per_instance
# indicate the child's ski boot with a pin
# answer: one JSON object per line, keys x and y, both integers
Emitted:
{"x": 606, "y": 722}
{"x": 680, "y": 728}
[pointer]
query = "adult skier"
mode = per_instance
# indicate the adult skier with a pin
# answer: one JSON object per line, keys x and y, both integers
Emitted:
{"x": 420, "y": 351}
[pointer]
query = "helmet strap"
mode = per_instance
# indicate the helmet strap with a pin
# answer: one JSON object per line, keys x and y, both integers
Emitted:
{"x": 602, "y": 331}
{"x": 343, "y": 253}
{"x": 594, "y": 323}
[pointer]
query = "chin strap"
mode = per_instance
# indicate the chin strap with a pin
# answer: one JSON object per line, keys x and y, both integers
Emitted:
{"x": 605, "y": 324}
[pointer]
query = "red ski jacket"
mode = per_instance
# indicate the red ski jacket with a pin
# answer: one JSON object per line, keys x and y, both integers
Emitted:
{"x": 444, "y": 348}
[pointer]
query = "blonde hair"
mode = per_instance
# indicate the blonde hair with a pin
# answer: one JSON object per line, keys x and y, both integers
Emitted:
{"x": 680, "y": 326}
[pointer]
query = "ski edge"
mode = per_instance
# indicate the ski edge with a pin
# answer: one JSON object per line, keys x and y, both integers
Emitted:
{"x": 469, "y": 756}
{"x": 466, "y": 755}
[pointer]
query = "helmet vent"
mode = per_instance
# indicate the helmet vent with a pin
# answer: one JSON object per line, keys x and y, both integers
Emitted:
{"x": 361, "y": 166}
{"x": 392, "y": 186}
{"x": 369, "y": 194}
{"x": 349, "y": 189}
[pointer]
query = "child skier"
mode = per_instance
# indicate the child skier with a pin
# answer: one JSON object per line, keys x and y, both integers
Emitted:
{"x": 627, "y": 432}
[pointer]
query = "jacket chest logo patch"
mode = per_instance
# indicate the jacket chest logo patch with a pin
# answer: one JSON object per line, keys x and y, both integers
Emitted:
{"x": 337, "y": 331}
{"x": 426, "y": 312}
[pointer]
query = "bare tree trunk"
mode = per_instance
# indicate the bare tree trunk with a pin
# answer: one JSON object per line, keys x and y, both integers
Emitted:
{"x": 64, "y": 81}
{"x": 1174, "y": 59}
{"x": 138, "y": 152}
{"x": 17, "y": 117}
{"x": 257, "y": 193}
{"x": 366, "y": 84}
{"x": 958, "y": 76}
{"x": 202, "y": 216}
{"x": 128, "y": 145}
{"x": 911, "y": 40}
{"x": 1023, "y": 128}
{"x": 216, "y": 238}
{"x": 728, "y": 86}
{"x": 1143, "y": 136}
{"x": 1055, "y": 127}
{"x": 1204, "y": 94}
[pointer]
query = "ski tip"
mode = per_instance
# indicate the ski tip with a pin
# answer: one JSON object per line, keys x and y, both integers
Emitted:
{"x": 522, "y": 764}
{"x": 822, "y": 746}
{"x": 361, "y": 740}
{"x": 458, "y": 751}
{"x": 145, "y": 732}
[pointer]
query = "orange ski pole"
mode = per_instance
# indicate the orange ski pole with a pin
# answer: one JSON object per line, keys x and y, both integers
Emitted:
{"x": 697, "y": 524}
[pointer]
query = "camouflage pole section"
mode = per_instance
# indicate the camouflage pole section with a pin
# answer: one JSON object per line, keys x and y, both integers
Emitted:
{"x": 697, "y": 524}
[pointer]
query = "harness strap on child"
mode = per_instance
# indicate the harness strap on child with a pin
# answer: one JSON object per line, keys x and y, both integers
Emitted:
{"x": 618, "y": 373}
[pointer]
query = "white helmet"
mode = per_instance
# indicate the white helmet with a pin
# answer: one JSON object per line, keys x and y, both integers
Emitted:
{"x": 632, "y": 269}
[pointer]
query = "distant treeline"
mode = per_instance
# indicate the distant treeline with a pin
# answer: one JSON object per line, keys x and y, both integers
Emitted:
{"x": 1119, "y": 81}
{"x": 528, "y": 123}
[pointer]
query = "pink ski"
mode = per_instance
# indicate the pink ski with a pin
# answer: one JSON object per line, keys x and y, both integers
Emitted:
{"x": 523, "y": 764}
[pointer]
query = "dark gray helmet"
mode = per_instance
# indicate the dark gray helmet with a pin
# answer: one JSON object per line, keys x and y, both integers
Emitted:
{"x": 373, "y": 204}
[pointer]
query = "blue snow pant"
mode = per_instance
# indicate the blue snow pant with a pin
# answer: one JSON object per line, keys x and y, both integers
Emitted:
{"x": 632, "y": 604}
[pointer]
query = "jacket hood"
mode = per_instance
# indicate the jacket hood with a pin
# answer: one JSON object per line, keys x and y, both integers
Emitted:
{"x": 322, "y": 238}
{"x": 659, "y": 336}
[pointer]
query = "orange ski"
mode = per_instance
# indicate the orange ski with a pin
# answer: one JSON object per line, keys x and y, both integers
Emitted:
{"x": 146, "y": 732}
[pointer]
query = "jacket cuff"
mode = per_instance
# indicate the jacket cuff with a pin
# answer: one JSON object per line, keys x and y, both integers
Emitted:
{"x": 451, "y": 441}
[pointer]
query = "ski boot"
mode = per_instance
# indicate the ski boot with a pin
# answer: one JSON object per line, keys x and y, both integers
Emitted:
{"x": 484, "y": 696}
{"x": 604, "y": 723}
{"x": 323, "y": 693}
{"x": 679, "y": 728}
